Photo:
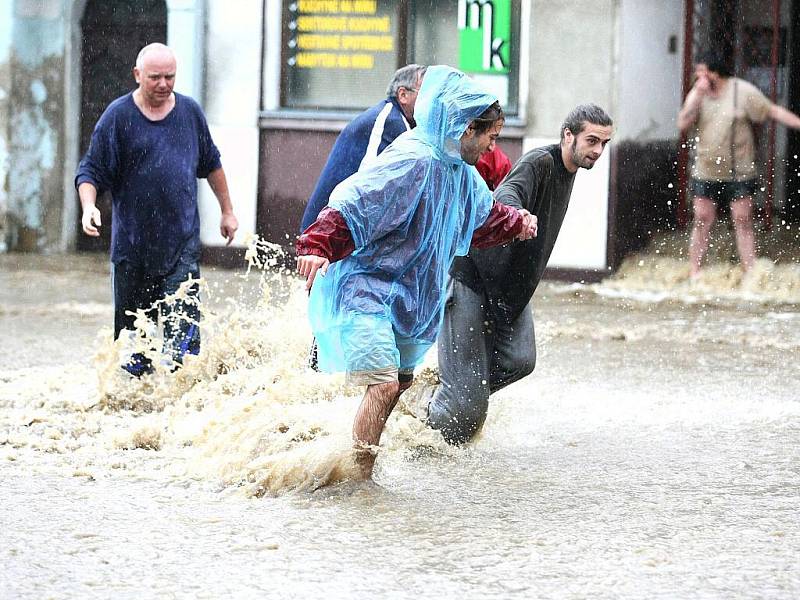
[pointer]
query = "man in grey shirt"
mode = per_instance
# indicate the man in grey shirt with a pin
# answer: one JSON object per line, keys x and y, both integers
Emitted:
{"x": 487, "y": 338}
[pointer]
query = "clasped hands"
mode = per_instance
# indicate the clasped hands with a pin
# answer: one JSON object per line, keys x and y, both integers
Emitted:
{"x": 529, "y": 225}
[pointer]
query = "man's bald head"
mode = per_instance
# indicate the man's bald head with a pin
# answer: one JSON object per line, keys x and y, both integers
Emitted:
{"x": 155, "y": 51}
{"x": 155, "y": 73}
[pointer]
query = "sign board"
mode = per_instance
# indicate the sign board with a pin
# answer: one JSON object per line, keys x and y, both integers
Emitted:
{"x": 338, "y": 53}
{"x": 484, "y": 30}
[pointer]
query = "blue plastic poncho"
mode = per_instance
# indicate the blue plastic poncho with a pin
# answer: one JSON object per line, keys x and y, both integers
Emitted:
{"x": 410, "y": 213}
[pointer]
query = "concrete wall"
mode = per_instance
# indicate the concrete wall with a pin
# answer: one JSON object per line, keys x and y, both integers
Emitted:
{"x": 6, "y": 13}
{"x": 233, "y": 65}
{"x": 35, "y": 120}
{"x": 650, "y": 79}
{"x": 573, "y": 60}
{"x": 649, "y": 72}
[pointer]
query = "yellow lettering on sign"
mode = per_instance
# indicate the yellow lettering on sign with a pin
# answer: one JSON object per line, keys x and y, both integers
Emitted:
{"x": 374, "y": 43}
{"x": 310, "y": 41}
{"x": 367, "y": 7}
{"x": 316, "y": 60}
{"x": 369, "y": 24}
{"x": 330, "y": 60}
{"x": 363, "y": 7}
{"x": 318, "y": 6}
{"x": 314, "y": 24}
{"x": 363, "y": 61}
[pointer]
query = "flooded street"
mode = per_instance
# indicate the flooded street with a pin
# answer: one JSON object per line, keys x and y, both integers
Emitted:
{"x": 654, "y": 453}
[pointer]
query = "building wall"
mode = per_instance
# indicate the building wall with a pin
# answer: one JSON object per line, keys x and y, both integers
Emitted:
{"x": 35, "y": 122}
{"x": 650, "y": 69}
{"x": 574, "y": 58}
{"x": 646, "y": 148}
{"x": 232, "y": 90}
{"x": 612, "y": 52}
{"x": 6, "y": 14}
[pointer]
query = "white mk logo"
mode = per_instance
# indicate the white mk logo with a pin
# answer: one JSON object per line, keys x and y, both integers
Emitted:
{"x": 479, "y": 14}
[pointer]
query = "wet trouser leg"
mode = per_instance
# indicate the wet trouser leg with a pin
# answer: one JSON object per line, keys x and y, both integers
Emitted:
{"x": 134, "y": 289}
{"x": 182, "y": 316}
{"x": 477, "y": 357}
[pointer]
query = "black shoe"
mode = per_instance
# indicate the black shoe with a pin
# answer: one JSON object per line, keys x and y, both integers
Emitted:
{"x": 139, "y": 365}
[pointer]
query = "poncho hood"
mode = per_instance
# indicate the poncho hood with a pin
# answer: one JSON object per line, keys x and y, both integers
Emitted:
{"x": 448, "y": 100}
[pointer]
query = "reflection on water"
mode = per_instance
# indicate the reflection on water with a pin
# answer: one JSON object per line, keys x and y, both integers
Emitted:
{"x": 654, "y": 453}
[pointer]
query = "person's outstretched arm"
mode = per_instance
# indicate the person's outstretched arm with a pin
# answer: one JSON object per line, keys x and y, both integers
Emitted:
{"x": 784, "y": 116}
{"x": 504, "y": 224}
{"x": 325, "y": 241}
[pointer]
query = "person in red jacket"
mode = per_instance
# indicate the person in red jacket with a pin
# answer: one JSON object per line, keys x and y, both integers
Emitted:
{"x": 493, "y": 167}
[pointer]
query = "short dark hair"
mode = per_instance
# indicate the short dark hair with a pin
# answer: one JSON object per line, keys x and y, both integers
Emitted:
{"x": 585, "y": 113}
{"x": 488, "y": 118}
{"x": 716, "y": 62}
{"x": 405, "y": 77}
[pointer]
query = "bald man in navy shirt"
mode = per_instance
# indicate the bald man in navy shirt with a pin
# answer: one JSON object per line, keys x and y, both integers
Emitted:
{"x": 149, "y": 148}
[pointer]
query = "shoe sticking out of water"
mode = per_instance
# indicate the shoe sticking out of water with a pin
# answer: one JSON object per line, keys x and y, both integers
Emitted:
{"x": 139, "y": 365}
{"x": 415, "y": 400}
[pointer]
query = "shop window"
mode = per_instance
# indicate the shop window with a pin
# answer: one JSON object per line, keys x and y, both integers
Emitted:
{"x": 340, "y": 54}
{"x": 480, "y": 37}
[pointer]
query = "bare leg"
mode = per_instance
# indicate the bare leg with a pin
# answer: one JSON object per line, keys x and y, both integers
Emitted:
{"x": 742, "y": 215}
{"x": 378, "y": 403}
{"x": 705, "y": 212}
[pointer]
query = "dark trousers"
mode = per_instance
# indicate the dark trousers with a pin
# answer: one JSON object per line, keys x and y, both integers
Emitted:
{"x": 477, "y": 357}
{"x": 137, "y": 289}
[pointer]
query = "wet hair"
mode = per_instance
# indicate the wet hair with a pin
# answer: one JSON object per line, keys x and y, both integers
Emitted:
{"x": 488, "y": 117}
{"x": 405, "y": 77}
{"x": 585, "y": 113}
{"x": 716, "y": 62}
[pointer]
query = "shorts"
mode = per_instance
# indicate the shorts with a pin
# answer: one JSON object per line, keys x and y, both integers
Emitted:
{"x": 374, "y": 353}
{"x": 723, "y": 192}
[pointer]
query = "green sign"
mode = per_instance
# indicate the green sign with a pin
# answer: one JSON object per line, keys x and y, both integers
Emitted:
{"x": 484, "y": 35}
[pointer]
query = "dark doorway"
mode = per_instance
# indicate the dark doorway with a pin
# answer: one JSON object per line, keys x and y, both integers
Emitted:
{"x": 113, "y": 32}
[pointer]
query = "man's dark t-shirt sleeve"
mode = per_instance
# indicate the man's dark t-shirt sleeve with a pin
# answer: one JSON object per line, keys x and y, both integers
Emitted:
{"x": 101, "y": 161}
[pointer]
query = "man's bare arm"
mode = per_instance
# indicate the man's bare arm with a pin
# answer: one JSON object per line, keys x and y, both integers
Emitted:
{"x": 784, "y": 116}
{"x": 219, "y": 185}
{"x": 90, "y": 219}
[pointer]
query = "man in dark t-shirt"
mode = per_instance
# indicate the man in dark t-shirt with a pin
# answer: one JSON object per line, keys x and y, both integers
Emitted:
{"x": 149, "y": 148}
{"x": 487, "y": 338}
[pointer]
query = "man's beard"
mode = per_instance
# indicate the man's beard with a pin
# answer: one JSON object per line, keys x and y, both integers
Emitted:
{"x": 578, "y": 160}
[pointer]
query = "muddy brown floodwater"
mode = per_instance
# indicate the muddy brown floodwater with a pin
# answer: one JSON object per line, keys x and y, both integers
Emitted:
{"x": 654, "y": 453}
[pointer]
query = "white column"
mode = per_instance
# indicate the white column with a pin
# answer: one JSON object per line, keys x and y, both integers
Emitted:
{"x": 233, "y": 70}
{"x": 185, "y": 35}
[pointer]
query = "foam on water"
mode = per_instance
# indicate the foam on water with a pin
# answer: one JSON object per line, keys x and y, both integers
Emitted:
{"x": 246, "y": 412}
{"x": 653, "y": 452}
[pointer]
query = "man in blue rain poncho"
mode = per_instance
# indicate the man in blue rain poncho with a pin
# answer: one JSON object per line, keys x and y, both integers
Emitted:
{"x": 386, "y": 241}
